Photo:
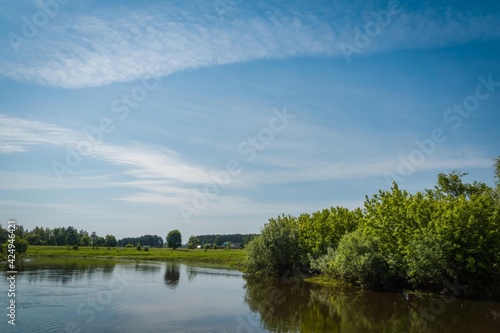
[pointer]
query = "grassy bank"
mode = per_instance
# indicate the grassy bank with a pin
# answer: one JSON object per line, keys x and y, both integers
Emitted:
{"x": 220, "y": 258}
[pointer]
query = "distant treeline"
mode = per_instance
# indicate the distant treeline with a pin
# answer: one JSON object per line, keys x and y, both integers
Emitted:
{"x": 60, "y": 236}
{"x": 72, "y": 236}
{"x": 150, "y": 240}
{"x": 221, "y": 239}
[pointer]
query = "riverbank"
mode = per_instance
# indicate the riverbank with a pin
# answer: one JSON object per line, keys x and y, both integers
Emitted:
{"x": 234, "y": 259}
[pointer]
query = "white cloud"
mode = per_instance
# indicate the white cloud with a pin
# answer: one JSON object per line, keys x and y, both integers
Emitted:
{"x": 118, "y": 45}
{"x": 164, "y": 172}
{"x": 18, "y": 135}
{"x": 146, "y": 162}
{"x": 139, "y": 161}
{"x": 10, "y": 148}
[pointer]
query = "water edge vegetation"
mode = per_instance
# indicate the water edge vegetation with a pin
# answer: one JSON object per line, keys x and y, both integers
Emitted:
{"x": 428, "y": 241}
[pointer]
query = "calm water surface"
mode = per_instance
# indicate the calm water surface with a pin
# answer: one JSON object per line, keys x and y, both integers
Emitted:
{"x": 80, "y": 295}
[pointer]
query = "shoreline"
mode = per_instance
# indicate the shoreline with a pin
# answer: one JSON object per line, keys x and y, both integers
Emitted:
{"x": 234, "y": 259}
{"x": 221, "y": 258}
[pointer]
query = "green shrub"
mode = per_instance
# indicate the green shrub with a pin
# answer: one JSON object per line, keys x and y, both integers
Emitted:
{"x": 21, "y": 245}
{"x": 277, "y": 249}
{"x": 139, "y": 247}
{"x": 323, "y": 264}
{"x": 358, "y": 261}
{"x": 75, "y": 247}
{"x": 129, "y": 245}
{"x": 427, "y": 262}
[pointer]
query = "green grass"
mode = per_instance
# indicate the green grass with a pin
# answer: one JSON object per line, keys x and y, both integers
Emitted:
{"x": 220, "y": 258}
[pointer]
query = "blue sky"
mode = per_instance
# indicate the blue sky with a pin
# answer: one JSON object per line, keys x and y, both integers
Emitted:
{"x": 138, "y": 118}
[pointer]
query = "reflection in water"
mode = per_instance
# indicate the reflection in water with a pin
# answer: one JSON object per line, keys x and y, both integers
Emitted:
{"x": 172, "y": 275}
{"x": 145, "y": 272}
{"x": 284, "y": 306}
{"x": 128, "y": 296}
{"x": 64, "y": 270}
{"x": 79, "y": 295}
{"x": 193, "y": 271}
{"x": 147, "y": 268}
{"x": 296, "y": 306}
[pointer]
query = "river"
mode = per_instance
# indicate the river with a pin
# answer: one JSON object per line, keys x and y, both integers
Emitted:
{"x": 79, "y": 295}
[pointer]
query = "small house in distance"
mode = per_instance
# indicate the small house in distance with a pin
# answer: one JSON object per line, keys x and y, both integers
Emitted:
{"x": 231, "y": 245}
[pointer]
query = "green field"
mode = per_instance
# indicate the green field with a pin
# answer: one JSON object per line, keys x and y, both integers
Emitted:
{"x": 217, "y": 258}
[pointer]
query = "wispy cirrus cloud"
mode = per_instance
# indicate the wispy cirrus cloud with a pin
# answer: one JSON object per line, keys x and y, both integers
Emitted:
{"x": 164, "y": 172}
{"x": 19, "y": 135}
{"x": 118, "y": 45}
{"x": 140, "y": 161}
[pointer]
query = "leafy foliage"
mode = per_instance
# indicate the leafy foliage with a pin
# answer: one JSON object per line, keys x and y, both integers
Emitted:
{"x": 110, "y": 241}
{"x": 277, "y": 250}
{"x": 358, "y": 260}
{"x": 21, "y": 245}
{"x": 399, "y": 240}
{"x": 193, "y": 242}
{"x": 151, "y": 240}
{"x": 174, "y": 239}
{"x": 220, "y": 239}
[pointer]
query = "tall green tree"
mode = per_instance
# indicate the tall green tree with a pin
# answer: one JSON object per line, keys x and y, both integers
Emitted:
{"x": 72, "y": 236}
{"x": 101, "y": 241}
{"x": 93, "y": 238}
{"x": 174, "y": 239}
{"x": 110, "y": 241}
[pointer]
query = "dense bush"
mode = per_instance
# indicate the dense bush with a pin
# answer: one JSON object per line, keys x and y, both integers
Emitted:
{"x": 277, "y": 249}
{"x": 323, "y": 230}
{"x": 399, "y": 240}
{"x": 358, "y": 260}
{"x": 21, "y": 245}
